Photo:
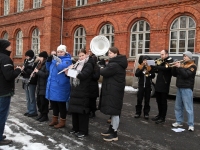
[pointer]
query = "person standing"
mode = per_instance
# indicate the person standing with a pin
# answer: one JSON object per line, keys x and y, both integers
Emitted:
{"x": 162, "y": 86}
{"x": 185, "y": 76}
{"x": 58, "y": 86}
{"x": 7, "y": 82}
{"x": 112, "y": 93}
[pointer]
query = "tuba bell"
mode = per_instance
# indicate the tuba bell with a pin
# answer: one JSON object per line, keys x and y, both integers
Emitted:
{"x": 99, "y": 45}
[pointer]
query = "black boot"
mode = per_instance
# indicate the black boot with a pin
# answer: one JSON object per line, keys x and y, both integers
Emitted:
{"x": 39, "y": 117}
{"x": 156, "y": 118}
{"x": 107, "y": 133}
{"x": 44, "y": 118}
{"x": 5, "y": 142}
{"x": 160, "y": 121}
{"x": 92, "y": 114}
{"x": 112, "y": 137}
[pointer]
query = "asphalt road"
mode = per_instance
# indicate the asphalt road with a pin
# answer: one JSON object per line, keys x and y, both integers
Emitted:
{"x": 133, "y": 134}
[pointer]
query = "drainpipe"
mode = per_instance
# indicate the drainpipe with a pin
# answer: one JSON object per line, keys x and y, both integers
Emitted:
{"x": 61, "y": 28}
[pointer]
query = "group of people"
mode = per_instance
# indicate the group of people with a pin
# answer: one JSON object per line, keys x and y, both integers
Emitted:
{"x": 48, "y": 76}
{"x": 184, "y": 72}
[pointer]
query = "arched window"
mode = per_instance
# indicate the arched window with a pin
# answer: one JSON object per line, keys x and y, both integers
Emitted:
{"x": 5, "y": 36}
{"x": 108, "y": 31}
{"x": 20, "y": 5}
{"x": 79, "y": 40}
{"x": 140, "y": 38}
{"x": 6, "y": 7}
{"x": 182, "y": 35}
{"x": 37, "y": 3}
{"x": 19, "y": 43}
{"x": 35, "y": 45}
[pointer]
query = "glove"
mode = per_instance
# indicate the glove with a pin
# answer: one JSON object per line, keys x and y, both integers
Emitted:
{"x": 57, "y": 59}
{"x": 49, "y": 59}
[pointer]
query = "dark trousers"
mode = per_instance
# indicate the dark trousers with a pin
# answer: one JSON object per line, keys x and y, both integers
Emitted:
{"x": 143, "y": 93}
{"x": 161, "y": 99}
{"x": 59, "y": 107}
{"x": 93, "y": 106}
{"x": 43, "y": 104}
{"x": 80, "y": 122}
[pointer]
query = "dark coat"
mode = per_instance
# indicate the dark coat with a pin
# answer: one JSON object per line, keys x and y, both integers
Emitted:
{"x": 7, "y": 74}
{"x": 112, "y": 92}
{"x": 42, "y": 74}
{"x": 79, "y": 97}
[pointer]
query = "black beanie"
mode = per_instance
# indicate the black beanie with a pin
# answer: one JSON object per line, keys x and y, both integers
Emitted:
{"x": 43, "y": 54}
{"x": 4, "y": 44}
{"x": 30, "y": 53}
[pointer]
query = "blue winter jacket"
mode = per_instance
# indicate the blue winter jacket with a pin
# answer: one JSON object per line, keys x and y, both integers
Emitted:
{"x": 58, "y": 85}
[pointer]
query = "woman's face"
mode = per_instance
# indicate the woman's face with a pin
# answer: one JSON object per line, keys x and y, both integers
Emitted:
{"x": 111, "y": 54}
{"x": 60, "y": 53}
{"x": 81, "y": 56}
{"x": 41, "y": 59}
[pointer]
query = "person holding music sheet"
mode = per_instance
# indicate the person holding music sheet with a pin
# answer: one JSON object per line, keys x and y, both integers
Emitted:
{"x": 112, "y": 93}
{"x": 145, "y": 75}
{"x": 162, "y": 86}
{"x": 7, "y": 85}
{"x": 185, "y": 77}
{"x": 30, "y": 87}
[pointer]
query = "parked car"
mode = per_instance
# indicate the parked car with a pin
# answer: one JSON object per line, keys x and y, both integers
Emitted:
{"x": 172, "y": 91}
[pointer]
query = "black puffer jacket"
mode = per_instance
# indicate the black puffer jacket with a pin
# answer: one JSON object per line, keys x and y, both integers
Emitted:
{"x": 7, "y": 73}
{"x": 185, "y": 75}
{"x": 42, "y": 74}
{"x": 79, "y": 97}
{"x": 112, "y": 92}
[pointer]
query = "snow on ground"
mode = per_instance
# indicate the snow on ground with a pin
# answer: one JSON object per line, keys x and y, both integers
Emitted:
{"x": 127, "y": 88}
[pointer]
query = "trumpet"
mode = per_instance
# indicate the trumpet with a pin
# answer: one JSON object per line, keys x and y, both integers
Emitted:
{"x": 158, "y": 61}
{"x": 173, "y": 63}
{"x": 146, "y": 69}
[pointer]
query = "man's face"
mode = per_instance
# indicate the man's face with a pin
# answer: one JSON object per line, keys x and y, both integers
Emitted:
{"x": 186, "y": 58}
{"x": 163, "y": 54}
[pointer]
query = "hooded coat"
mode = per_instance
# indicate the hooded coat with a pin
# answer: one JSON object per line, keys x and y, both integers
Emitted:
{"x": 112, "y": 92}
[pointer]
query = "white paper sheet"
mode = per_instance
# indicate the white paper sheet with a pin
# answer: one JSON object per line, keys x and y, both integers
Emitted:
{"x": 151, "y": 62}
{"x": 178, "y": 129}
{"x": 72, "y": 73}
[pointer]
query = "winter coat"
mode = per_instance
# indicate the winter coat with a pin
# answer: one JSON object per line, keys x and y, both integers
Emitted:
{"x": 79, "y": 98}
{"x": 7, "y": 74}
{"x": 42, "y": 74}
{"x": 112, "y": 92}
{"x": 58, "y": 85}
{"x": 185, "y": 75}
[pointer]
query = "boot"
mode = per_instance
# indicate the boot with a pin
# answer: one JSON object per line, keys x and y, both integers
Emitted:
{"x": 44, "y": 118}
{"x": 39, "y": 117}
{"x": 54, "y": 121}
{"x": 5, "y": 142}
{"x": 112, "y": 137}
{"x": 107, "y": 133}
{"x": 61, "y": 123}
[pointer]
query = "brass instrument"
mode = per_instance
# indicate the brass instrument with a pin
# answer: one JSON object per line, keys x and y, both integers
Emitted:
{"x": 159, "y": 61}
{"x": 18, "y": 77}
{"x": 173, "y": 63}
{"x": 146, "y": 69}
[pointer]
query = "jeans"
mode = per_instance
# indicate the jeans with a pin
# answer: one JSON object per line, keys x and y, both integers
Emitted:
{"x": 184, "y": 98}
{"x": 4, "y": 108}
{"x": 30, "y": 99}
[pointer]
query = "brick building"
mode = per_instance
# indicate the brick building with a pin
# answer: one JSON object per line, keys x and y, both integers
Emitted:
{"x": 134, "y": 26}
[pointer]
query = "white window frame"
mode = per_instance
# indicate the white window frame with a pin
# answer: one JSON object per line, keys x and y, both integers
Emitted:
{"x": 79, "y": 40}
{"x": 81, "y": 2}
{"x": 108, "y": 31}
{"x": 6, "y": 7}
{"x": 19, "y": 43}
{"x": 37, "y": 3}
{"x": 5, "y": 36}
{"x": 178, "y": 31}
{"x": 137, "y": 34}
{"x": 20, "y": 5}
{"x": 35, "y": 42}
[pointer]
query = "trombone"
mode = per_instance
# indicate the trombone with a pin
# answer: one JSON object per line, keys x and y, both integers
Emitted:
{"x": 173, "y": 63}
{"x": 158, "y": 61}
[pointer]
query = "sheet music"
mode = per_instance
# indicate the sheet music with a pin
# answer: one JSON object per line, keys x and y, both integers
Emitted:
{"x": 151, "y": 62}
{"x": 72, "y": 73}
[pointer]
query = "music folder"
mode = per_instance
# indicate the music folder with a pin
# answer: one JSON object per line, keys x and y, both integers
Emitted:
{"x": 151, "y": 62}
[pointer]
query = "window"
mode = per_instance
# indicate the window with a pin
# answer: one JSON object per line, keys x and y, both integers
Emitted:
{"x": 6, "y": 7}
{"x": 79, "y": 40}
{"x": 108, "y": 31}
{"x": 35, "y": 45}
{"x": 182, "y": 35}
{"x": 140, "y": 38}
{"x": 37, "y": 3}
{"x": 20, "y": 5}
{"x": 81, "y": 2}
{"x": 19, "y": 43}
{"x": 5, "y": 36}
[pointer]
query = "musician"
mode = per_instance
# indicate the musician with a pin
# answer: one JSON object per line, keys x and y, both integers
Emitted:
{"x": 30, "y": 87}
{"x": 112, "y": 93}
{"x": 185, "y": 77}
{"x": 7, "y": 85}
{"x": 162, "y": 86}
{"x": 145, "y": 75}
{"x": 58, "y": 86}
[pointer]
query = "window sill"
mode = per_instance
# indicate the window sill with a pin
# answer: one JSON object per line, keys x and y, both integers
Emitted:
{"x": 18, "y": 56}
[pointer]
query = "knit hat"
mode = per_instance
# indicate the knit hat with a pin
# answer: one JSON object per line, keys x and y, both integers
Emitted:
{"x": 43, "y": 54}
{"x": 62, "y": 48}
{"x": 29, "y": 53}
{"x": 188, "y": 53}
{"x": 4, "y": 44}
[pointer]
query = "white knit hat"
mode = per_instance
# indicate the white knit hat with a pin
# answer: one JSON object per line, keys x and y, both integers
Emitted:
{"x": 62, "y": 48}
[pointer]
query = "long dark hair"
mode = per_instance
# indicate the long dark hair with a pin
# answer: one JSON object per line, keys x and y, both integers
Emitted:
{"x": 114, "y": 50}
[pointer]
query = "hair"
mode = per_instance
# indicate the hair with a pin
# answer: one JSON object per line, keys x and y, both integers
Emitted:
{"x": 166, "y": 51}
{"x": 114, "y": 50}
{"x": 82, "y": 50}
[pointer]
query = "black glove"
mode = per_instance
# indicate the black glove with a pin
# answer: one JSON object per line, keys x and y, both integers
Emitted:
{"x": 49, "y": 59}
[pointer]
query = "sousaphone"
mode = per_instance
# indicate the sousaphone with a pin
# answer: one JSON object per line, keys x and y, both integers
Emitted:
{"x": 99, "y": 45}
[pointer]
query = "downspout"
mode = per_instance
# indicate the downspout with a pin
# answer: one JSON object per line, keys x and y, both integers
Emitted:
{"x": 61, "y": 28}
